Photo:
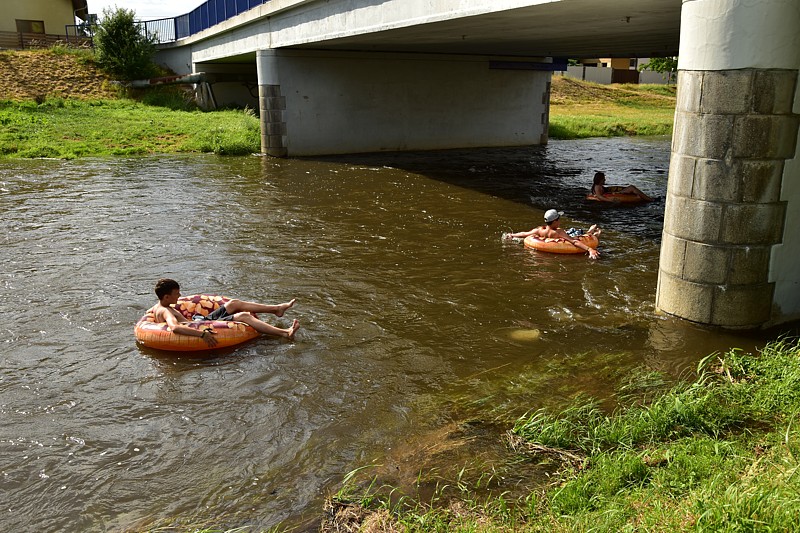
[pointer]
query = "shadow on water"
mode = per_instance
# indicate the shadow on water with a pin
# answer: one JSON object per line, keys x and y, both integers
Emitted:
{"x": 556, "y": 175}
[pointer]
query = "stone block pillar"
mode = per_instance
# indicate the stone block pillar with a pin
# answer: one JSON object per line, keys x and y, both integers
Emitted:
{"x": 271, "y": 104}
{"x": 733, "y": 148}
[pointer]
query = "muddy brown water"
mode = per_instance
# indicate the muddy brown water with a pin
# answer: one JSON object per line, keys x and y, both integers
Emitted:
{"x": 420, "y": 324}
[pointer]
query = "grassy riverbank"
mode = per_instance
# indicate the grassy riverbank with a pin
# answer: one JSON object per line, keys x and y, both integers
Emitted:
{"x": 58, "y": 104}
{"x": 720, "y": 453}
{"x": 68, "y": 129}
{"x": 582, "y": 109}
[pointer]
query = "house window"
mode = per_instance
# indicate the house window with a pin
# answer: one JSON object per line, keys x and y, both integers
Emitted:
{"x": 30, "y": 26}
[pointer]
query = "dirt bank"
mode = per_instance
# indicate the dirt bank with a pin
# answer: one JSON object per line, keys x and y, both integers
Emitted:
{"x": 36, "y": 74}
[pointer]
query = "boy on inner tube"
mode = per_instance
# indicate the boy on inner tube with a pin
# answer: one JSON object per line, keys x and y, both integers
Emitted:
{"x": 550, "y": 230}
{"x": 168, "y": 292}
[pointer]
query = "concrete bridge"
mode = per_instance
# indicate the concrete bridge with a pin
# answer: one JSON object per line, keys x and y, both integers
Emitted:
{"x": 346, "y": 76}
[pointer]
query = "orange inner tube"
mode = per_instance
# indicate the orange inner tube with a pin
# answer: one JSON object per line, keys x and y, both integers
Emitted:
{"x": 227, "y": 333}
{"x": 621, "y": 197}
{"x": 560, "y": 246}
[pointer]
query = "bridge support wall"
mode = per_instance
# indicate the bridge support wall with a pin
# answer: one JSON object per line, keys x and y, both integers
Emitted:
{"x": 730, "y": 253}
{"x": 317, "y": 103}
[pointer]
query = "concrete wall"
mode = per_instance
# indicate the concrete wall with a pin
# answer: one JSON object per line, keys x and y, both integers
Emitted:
{"x": 240, "y": 91}
{"x": 784, "y": 263}
{"x": 54, "y": 13}
{"x": 360, "y": 102}
{"x": 603, "y": 75}
{"x": 593, "y": 74}
{"x": 656, "y": 78}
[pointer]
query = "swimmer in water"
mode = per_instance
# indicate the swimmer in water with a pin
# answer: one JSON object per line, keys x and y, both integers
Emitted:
{"x": 168, "y": 291}
{"x": 551, "y": 230}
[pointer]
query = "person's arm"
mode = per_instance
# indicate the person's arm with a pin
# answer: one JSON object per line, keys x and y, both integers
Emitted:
{"x": 597, "y": 191}
{"x": 207, "y": 334}
{"x": 521, "y": 234}
{"x": 593, "y": 253}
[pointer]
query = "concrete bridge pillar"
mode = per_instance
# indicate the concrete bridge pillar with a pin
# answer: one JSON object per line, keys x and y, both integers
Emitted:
{"x": 730, "y": 254}
{"x": 271, "y": 104}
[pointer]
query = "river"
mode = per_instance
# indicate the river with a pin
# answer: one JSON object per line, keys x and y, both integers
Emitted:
{"x": 422, "y": 330}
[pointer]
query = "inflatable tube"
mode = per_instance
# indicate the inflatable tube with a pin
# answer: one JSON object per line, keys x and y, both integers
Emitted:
{"x": 618, "y": 197}
{"x": 560, "y": 246}
{"x": 227, "y": 333}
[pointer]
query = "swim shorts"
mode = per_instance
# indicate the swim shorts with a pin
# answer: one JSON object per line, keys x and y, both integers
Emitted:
{"x": 219, "y": 313}
{"x": 574, "y": 232}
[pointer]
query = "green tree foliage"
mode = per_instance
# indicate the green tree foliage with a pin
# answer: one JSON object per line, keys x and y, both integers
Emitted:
{"x": 123, "y": 49}
{"x": 663, "y": 65}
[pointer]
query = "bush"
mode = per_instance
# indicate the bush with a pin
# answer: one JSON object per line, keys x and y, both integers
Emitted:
{"x": 122, "y": 49}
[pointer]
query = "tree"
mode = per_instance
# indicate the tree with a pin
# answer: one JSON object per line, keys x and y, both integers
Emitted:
{"x": 668, "y": 65}
{"x": 122, "y": 48}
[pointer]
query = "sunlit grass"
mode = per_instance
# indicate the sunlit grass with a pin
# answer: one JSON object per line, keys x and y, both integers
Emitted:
{"x": 581, "y": 109}
{"x": 608, "y": 120}
{"x": 68, "y": 129}
{"x": 719, "y": 453}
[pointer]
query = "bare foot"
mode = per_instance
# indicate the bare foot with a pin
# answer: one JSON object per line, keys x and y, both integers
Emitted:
{"x": 283, "y": 307}
{"x": 292, "y": 330}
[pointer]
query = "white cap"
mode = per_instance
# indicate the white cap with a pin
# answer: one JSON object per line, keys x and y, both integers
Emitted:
{"x": 552, "y": 215}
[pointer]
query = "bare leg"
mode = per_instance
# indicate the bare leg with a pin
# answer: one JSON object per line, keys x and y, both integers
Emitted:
{"x": 269, "y": 329}
{"x": 594, "y": 230}
{"x": 634, "y": 190}
{"x": 237, "y": 306}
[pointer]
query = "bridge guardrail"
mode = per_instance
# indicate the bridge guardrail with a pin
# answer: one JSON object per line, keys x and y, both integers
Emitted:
{"x": 171, "y": 29}
{"x": 213, "y": 12}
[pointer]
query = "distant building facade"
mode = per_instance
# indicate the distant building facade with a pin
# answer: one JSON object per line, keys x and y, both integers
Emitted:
{"x": 38, "y": 20}
{"x": 616, "y": 70}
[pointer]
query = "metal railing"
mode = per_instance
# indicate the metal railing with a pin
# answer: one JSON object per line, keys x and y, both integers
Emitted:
{"x": 213, "y": 12}
{"x": 169, "y": 30}
{"x": 20, "y": 41}
{"x": 160, "y": 30}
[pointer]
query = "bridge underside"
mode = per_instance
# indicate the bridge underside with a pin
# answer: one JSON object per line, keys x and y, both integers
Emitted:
{"x": 336, "y": 102}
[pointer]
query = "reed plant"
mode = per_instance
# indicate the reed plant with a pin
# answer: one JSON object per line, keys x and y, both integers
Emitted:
{"x": 718, "y": 453}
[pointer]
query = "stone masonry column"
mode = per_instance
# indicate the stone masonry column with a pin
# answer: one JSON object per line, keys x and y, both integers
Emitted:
{"x": 733, "y": 152}
{"x": 271, "y": 105}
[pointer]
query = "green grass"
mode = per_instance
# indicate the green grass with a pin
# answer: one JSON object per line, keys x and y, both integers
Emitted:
{"x": 68, "y": 129}
{"x": 720, "y": 453}
{"x": 583, "y": 109}
{"x": 609, "y": 119}
{"x": 580, "y": 124}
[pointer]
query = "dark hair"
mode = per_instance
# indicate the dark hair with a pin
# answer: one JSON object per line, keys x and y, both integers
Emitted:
{"x": 598, "y": 177}
{"x": 165, "y": 286}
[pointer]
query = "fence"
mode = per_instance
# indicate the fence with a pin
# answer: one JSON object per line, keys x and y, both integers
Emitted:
{"x": 165, "y": 30}
{"x": 605, "y": 75}
{"x": 19, "y": 41}
{"x": 215, "y": 11}
{"x": 160, "y": 30}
